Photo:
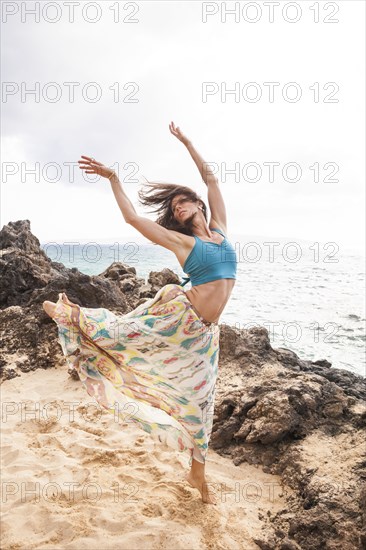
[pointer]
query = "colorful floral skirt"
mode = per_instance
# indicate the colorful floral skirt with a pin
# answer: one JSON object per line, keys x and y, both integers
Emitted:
{"x": 155, "y": 366}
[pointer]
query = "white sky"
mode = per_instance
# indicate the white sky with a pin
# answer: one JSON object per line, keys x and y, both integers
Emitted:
{"x": 169, "y": 53}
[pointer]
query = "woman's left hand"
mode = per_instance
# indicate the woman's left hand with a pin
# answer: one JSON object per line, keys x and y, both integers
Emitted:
{"x": 178, "y": 134}
{"x": 92, "y": 166}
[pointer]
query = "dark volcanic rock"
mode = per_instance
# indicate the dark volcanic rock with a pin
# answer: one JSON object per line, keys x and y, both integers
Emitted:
{"x": 299, "y": 422}
{"x": 304, "y": 421}
{"x": 29, "y": 277}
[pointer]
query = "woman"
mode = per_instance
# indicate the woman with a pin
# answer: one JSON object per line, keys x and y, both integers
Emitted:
{"x": 162, "y": 357}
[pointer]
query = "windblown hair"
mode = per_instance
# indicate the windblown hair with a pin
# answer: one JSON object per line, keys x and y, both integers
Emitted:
{"x": 161, "y": 194}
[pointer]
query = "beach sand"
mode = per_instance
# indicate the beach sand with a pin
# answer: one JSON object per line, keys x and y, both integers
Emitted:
{"x": 74, "y": 478}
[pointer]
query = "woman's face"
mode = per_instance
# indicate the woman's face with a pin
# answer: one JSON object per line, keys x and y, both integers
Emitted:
{"x": 183, "y": 208}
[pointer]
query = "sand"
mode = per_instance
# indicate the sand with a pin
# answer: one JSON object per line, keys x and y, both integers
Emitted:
{"x": 74, "y": 478}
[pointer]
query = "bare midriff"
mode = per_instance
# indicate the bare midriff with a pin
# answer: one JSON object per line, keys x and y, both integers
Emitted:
{"x": 210, "y": 299}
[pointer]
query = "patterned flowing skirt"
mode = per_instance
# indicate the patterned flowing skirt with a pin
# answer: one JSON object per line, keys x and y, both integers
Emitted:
{"x": 155, "y": 366}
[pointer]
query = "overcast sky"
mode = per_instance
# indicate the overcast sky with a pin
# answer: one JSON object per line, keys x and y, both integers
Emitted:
{"x": 169, "y": 53}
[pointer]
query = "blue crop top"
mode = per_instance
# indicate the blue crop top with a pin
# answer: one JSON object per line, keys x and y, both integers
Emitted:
{"x": 210, "y": 261}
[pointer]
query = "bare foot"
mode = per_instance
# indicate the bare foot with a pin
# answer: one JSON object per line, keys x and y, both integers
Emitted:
{"x": 65, "y": 299}
{"x": 209, "y": 495}
{"x": 49, "y": 308}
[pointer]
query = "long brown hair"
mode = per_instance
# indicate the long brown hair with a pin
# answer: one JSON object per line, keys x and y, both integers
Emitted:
{"x": 160, "y": 195}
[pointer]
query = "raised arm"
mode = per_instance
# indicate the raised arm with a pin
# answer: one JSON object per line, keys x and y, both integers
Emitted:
{"x": 172, "y": 240}
{"x": 215, "y": 198}
{"x": 204, "y": 169}
{"x": 92, "y": 166}
{"x": 206, "y": 173}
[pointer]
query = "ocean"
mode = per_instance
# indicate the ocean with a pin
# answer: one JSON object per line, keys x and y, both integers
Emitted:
{"x": 309, "y": 296}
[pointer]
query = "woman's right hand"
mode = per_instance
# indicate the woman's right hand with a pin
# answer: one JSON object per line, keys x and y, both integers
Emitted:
{"x": 92, "y": 166}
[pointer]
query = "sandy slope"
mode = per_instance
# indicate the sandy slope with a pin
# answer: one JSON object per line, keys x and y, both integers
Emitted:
{"x": 95, "y": 483}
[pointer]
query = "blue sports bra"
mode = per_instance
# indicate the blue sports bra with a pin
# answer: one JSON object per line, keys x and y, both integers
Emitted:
{"x": 210, "y": 261}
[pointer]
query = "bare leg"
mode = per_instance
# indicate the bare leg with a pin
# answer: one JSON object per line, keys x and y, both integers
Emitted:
{"x": 50, "y": 307}
{"x": 65, "y": 299}
{"x": 196, "y": 478}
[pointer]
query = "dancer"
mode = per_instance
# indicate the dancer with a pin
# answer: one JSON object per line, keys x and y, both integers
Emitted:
{"x": 157, "y": 365}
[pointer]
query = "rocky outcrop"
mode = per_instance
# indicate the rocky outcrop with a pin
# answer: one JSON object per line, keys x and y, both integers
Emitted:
{"x": 304, "y": 421}
{"x": 29, "y": 277}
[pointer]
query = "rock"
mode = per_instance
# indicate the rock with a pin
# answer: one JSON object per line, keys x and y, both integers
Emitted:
{"x": 145, "y": 292}
{"x": 322, "y": 363}
{"x": 288, "y": 544}
{"x": 118, "y": 271}
{"x": 158, "y": 279}
{"x": 18, "y": 235}
{"x": 268, "y": 544}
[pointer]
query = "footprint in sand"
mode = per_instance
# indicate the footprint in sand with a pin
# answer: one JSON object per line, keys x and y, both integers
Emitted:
{"x": 152, "y": 510}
